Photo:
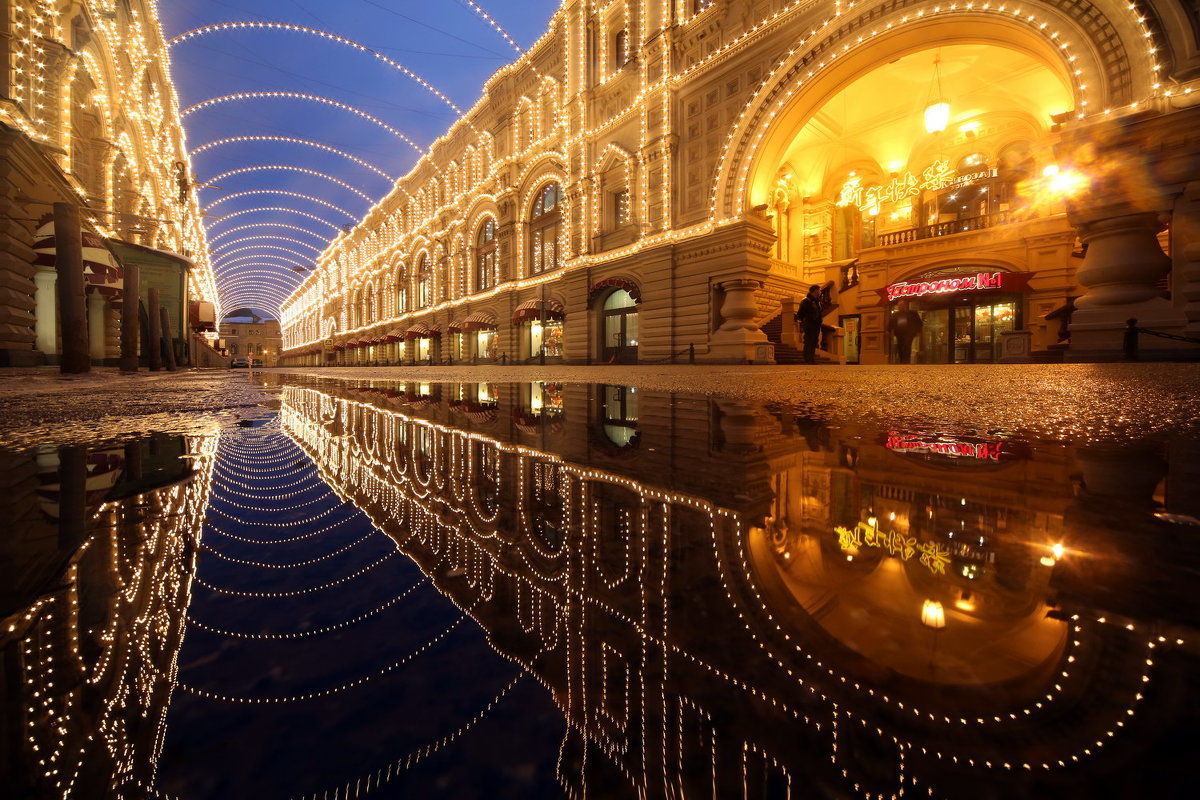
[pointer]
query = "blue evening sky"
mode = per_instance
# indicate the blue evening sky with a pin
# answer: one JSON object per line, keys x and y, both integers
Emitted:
{"x": 443, "y": 41}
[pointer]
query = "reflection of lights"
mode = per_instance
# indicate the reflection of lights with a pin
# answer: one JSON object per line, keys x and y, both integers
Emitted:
{"x": 933, "y": 615}
{"x": 892, "y": 516}
{"x": 966, "y": 602}
{"x": 1057, "y": 549}
{"x": 873, "y": 521}
{"x": 1056, "y": 553}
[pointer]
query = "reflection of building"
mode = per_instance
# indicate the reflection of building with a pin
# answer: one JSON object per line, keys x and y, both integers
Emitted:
{"x": 685, "y": 593}
{"x": 645, "y": 179}
{"x": 251, "y": 336}
{"x": 90, "y": 118}
{"x": 95, "y": 571}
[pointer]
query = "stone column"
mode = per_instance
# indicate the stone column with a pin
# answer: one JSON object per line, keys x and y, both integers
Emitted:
{"x": 129, "y": 318}
{"x": 1185, "y": 252}
{"x": 739, "y": 340}
{"x": 1120, "y": 279}
{"x": 72, "y": 302}
{"x": 168, "y": 343}
{"x": 154, "y": 342}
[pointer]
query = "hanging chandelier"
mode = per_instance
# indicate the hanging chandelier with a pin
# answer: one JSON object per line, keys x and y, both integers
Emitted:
{"x": 937, "y": 110}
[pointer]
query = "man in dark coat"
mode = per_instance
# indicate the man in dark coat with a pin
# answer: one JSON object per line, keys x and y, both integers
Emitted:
{"x": 809, "y": 316}
{"x": 906, "y": 326}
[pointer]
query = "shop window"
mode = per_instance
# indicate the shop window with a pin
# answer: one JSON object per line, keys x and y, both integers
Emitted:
{"x": 485, "y": 256}
{"x": 485, "y": 343}
{"x": 543, "y": 230}
{"x": 547, "y": 334}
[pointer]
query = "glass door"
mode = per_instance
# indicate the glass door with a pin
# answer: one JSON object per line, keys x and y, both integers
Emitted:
{"x": 934, "y": 348}
{"x": 963, "y": 318}
{"x": 990, "y": 322}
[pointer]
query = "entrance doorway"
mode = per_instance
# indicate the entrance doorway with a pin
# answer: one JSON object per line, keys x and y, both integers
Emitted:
{"x": 619, "y": 328}
{"x": 965, "y": 330}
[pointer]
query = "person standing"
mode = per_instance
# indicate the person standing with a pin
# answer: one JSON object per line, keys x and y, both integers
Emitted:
{"x": 809, "y": 316}
{"x": 906, "y": 326}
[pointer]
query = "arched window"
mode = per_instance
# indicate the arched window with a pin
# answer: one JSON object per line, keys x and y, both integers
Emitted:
{"x": 424, "y": 283}
{"x": 543, "y": 230}
{"x": 369, "y": 306}
{"x": 485, "y": 256}
{"x": 401, "y": 292}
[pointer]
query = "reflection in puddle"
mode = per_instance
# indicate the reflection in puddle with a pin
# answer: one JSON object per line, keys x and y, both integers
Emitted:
{"x": 537, "y": 590}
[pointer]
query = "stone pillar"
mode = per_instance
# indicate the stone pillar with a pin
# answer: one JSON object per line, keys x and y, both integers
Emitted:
{"x": 95, "y": 317}
{"x": 129, "y": 318}
{"x": 46, "y": 311}
{"x": 168, "y": 343}
{"x": 154, "y": 342}
{"x": 72, "y": 302}
{"x": 1120, "y": 279}
{"x": 739, "y": 340}
{"x": 1185, "y": 252}
{"x": 17, "y": 272}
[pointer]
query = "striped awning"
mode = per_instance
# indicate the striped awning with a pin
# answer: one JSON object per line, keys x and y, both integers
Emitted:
{"x": 421, "y": 331}
{"x": 394, "y": 335}
{"x": 480, "y": 320}
{"x": 532, "y": 309}
{"x": 101, "y": 270}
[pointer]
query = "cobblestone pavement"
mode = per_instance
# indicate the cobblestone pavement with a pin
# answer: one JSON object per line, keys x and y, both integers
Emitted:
{"x": 1077, "y": 402}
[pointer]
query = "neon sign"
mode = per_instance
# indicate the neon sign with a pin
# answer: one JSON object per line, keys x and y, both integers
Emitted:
{"x": 945, "y": 446}
{"x": 933, "y": 556}
{"x": 962, "y": 283}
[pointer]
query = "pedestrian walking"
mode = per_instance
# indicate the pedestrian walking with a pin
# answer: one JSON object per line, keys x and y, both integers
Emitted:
{"x": 906, "y": 327}
{"x": 809, "y": 317}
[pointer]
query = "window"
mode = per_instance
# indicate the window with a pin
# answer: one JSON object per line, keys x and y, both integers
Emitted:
{"x": 622, "y": 212}
{"x": 402, "y": 292}
{"x": 485, "y": 256}
{"x": 543, "y": 230}
{"x": 620, "y": 49}
{"x": 424, "y": 284}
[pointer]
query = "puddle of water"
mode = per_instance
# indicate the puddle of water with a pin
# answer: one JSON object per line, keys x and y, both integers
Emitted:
{"x": 546, "y": 590}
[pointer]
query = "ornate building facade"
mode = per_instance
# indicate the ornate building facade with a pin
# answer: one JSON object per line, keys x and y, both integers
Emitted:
{"x": 89, "y": 116}
{"x": 651, "y": 178}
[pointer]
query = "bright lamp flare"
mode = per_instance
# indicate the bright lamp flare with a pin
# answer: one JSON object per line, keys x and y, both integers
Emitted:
{"x": 1064, "y": 183}
{"x": 937, "y": 116}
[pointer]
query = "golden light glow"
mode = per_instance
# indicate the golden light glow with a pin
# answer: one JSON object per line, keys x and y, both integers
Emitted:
{"x": 933, "y": 615}
{"x": 937, "y": 117}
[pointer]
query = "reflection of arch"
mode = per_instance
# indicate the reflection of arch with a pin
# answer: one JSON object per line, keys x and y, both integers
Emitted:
{"x": 865, "y": 41}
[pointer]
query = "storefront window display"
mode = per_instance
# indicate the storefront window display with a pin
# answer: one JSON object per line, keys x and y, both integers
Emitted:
{"x": 485, "y": 343}
{"x": 547, "y": 334}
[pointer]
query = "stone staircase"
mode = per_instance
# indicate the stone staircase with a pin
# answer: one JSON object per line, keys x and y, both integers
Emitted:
{"x": 784, "y": 353}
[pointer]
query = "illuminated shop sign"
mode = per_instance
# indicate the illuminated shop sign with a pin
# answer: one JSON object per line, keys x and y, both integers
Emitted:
{"x": 980, "y": 281}
{"x": 937, "y": 176}
{"x": 931, "y": 554}
{"x": 945, "y": 446}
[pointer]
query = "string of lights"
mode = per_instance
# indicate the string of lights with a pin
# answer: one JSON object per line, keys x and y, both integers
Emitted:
{"x": 313, "y": 98}
{"x": 329, "y": 691}
{"x": 293, "y": 140}
{"x": 281, "y": 192}
{"x": 311, "y": 631}
{"x": 298, "y": 592}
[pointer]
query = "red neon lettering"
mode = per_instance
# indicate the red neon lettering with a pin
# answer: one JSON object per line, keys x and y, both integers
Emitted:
{"x": 982, "y": 280}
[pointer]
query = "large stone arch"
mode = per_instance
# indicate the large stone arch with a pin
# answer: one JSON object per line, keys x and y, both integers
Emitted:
{"x": 1093, "y": 45}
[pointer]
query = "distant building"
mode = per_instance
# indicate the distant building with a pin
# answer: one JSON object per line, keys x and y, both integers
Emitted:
{"x": 247, "y": 334}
